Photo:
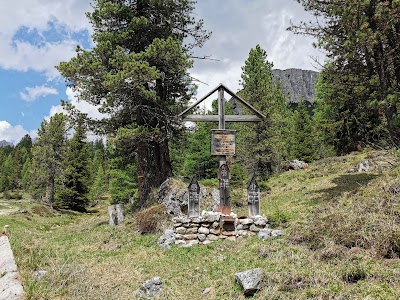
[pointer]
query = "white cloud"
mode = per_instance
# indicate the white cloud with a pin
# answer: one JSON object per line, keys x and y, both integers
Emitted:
{"x": 242, "y": 25}
{"x": 14, "y": 134}
{"x": 32, "y": 93}
{"x": 91, "y": 110}
{"x": 37, "y": 15}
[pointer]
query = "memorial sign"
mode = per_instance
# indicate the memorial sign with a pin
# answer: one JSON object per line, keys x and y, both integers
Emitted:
{"x": 194, "y": 198}
{"x": 253, "y": 197}
{"x": 223, "y": 142}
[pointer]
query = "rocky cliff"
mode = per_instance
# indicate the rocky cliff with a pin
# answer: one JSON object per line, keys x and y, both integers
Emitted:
{"x": 4, "y": 143}
{"x": 296, "y": 83}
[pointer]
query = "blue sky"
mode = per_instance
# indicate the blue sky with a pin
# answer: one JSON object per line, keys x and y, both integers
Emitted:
{"x": 35, "y": 35}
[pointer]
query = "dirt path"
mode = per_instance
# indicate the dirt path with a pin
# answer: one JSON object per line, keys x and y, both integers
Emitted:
{"x": 7, "y": 208}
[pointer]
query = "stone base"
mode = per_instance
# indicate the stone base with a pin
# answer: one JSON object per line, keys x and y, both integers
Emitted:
{"x": 213, "y": 226}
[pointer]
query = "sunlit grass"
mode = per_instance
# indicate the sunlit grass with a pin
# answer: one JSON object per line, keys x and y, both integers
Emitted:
{"x": 87, "y": 259}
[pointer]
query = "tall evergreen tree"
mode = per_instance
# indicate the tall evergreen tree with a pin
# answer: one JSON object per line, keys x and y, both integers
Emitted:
{"x": 363, "y": 75}
{"x": 137, "y": 73}
{"x": 47, "y": 154}
{"x": 72, "y": 189}
{"x": 265, "y": 144}
{"x": 303, "y": 145}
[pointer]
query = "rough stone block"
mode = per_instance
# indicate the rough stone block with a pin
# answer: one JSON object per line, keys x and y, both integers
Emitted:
{"x": 212, "y": 237}
{"x": 215, "y": 231}
{"x": 254, "y": 228}
{"x": 229, "y": 233}
{"x": 215, "y": 225}
{"x": 150, "y": 288}
{"x": 276, "y": 232}
{"x": 204, "y": 230}
{"x": 191, "y": 230}
{"x": 209, "y": 216}
{"x": 264, "y": 234}
{"x": 250, "y": 280}
{"x": 246, "y": 221}
{"x": 201, "y": 237}
{"x": 180, "y": 230}
{"x": 180, "y": 242}
{"x": 190, "y": 236}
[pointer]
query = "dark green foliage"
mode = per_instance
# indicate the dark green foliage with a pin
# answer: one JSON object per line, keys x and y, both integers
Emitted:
{"x": 262, "y": 147}
{"x": 361, "y": 81}
{"x": 303, "y": 142}
{"x": 198, "y": 161}
{"x": 122, "y": 179}
{"x": 137, "y": 72}
{"x": 72, "y": 188}
{"x": 47, "y": 157}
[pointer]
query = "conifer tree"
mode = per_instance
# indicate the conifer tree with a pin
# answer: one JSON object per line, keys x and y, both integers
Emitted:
{"x": 137, "y": 74}
{"x": 303, "y": 142}
{"x": 47, "y": 154}
{"x": 264, "y": 145}
{"x": 72, "y": 189}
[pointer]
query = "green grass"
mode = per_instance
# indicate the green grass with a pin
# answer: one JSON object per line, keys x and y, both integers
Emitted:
{"x": 325, "y": 212}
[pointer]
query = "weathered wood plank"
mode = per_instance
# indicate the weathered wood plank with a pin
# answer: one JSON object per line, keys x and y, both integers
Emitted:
{"x": 215, "y": 118}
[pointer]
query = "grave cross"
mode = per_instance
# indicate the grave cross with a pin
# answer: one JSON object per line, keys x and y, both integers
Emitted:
{"x": 223, "y": 141}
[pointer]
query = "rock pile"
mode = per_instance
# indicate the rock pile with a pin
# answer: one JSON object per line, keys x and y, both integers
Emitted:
{"x": 212, "y": 226}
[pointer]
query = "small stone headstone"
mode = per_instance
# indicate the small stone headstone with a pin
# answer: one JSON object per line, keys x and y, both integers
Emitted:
{"x": 250, "y": 280}
{"x": 116, "y": 214}
{"x": 253, "y": 197}
{"x": 194, "y": 198}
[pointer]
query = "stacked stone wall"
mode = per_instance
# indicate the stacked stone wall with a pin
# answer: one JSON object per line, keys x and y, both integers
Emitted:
{"x": 213, "y": 226}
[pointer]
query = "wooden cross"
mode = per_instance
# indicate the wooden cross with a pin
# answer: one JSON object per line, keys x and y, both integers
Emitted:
{"x": 223, "y": 143}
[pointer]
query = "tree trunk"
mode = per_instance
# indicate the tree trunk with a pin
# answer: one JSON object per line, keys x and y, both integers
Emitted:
{"x": 154, "y": 167}
{"x": 50, "y": 192}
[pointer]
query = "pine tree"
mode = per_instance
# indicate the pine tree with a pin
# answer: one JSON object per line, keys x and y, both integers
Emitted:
{"x": 362, "y": 76}
{"x": 47, "y": 154}
{"x": 265, "y": 145}
{"x": 303, "y": 145}
{"x": 198, "y": 161}
{"x": 137, "y": 73}
{"x": 72, "y": 189}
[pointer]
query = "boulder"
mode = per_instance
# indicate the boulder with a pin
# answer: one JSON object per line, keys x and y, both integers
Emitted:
{"x": 250, "y": 280}
{"x": 363, "y": 166}
{"x": 39, "y": 274}
{"x": 150, "y": 288}
{"x": 209, "y": 216}
{"x": 173, "y": 194}
{"x": 264, "y": 234}
{"x": 167, "y": 239}
{"x": 297, "y": 165}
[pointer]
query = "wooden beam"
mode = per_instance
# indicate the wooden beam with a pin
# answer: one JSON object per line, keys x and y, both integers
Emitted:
{"x": 248, "y": 105}
{"x": 215, "y": 118}
{"x": 198, "y": 102}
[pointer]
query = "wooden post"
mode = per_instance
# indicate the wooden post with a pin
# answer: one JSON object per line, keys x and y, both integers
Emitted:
{"x": 194, "y": 198}
{"x": 223, "y": 176}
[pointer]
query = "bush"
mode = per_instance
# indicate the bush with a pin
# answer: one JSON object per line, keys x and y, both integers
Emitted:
{"x": 150, "y": 220}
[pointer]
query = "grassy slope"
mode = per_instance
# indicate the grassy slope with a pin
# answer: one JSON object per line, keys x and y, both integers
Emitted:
{"x": 87, "y": 259}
